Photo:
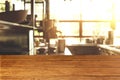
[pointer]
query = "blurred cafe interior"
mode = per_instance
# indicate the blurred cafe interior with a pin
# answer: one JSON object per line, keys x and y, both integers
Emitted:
{"x": 45, "y": 27}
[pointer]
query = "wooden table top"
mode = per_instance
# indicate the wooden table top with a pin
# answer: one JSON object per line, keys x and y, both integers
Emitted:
{"x": 59, "y": 67}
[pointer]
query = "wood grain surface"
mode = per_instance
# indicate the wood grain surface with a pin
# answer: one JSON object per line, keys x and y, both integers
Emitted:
{"x": 59, "y": 67}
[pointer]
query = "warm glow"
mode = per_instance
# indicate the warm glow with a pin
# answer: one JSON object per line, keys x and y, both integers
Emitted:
{"x": 72, "y": 10}
{"x": 97, "y": 9}
{"x": 117, "y": 34}
{"x": 86, "y": 10}
{"x": 68, "y": 29}
{"x": 117, "y": 9}
{"x": 90, "y": 9}
{"x": 65, "y": 9}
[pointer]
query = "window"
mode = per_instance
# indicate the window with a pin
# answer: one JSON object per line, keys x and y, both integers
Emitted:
{"x": 69, "y": 28}
{"x": 38, "y": 9}
{"x": 95, "y": 28}
{"x": 96, "y": 10}
{"x": 65, "y": 10}
{"x": 85, "y": 17}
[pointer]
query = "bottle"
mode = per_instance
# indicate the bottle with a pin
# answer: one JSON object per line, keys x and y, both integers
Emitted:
{"x": 7, "y": 6}
{"x": 13, "y": 7}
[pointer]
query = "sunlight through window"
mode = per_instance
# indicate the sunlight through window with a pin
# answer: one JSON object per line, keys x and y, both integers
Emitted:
{"x": 101, "y": 16}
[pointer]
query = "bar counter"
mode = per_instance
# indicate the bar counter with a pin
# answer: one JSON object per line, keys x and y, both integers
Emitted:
{"x": 59, "y": 67}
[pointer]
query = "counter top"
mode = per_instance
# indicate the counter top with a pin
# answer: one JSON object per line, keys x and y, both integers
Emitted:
{"x": 88, "y": 44}
{"x": 24, "y": 67}
{"x": 86, "y": 48}
{"x": 110, "y": 47}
